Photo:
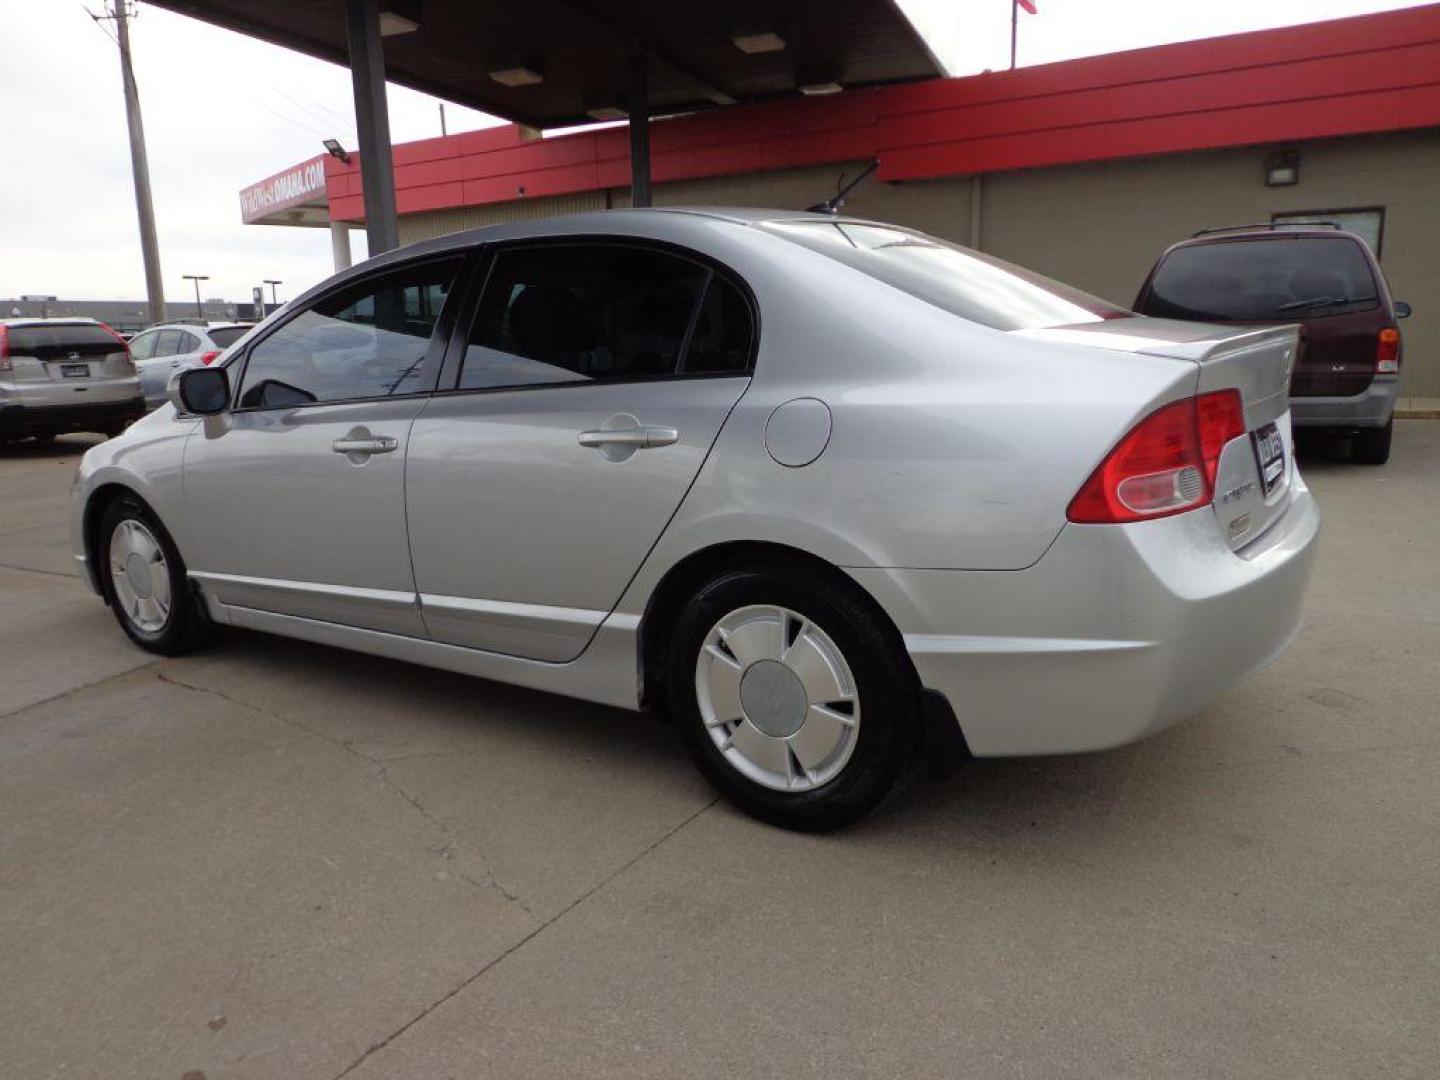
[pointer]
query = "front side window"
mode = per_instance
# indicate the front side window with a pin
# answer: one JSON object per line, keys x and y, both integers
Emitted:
{"x": 966, "y": 283}
{"x": 596, "y": 312}
{"x": 367, "y": 341}
{"x": 1277, "y": 278}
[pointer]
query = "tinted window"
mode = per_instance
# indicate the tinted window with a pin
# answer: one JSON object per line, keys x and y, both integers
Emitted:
{"x": 963, "y": 282}
{"x": 724, "y": 332}
{"x": 226, "y": 336}
{"x": 1262, "y": 279}
{"x": 582, "y": 313}
{"x": 365, "y": 342}
{"x": 59, "y": 341}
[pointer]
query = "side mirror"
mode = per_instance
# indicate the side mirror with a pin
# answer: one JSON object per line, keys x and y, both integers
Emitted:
{"x": 203, "y": 391}
{"x": 1402, "y": 309}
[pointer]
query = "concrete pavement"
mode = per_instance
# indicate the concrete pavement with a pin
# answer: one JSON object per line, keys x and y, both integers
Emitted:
{"x": 275, "y": 859}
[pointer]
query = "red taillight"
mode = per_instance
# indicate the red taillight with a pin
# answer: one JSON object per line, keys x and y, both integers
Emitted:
{"x": 209, "y": 357}
{"x": 1166, "y": 465}
{"x": 5, "y": 348}
{"x": 1387, "y": 352}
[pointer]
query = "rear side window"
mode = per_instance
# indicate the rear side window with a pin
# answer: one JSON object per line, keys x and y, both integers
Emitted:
{"x": 1262, "y": 280}
{"x": 225, "y": 336}
{"x": 566, "y": 313}
{"x": 57, "y": 342}
{"x": 966, "y": 283}
{"x": 367, "y": 341}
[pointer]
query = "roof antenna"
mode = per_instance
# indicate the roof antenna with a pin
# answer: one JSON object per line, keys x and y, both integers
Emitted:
{"x": 833, "y": 205}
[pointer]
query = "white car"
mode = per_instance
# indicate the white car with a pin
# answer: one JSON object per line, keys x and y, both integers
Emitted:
{"x": 166, "y": 348}
{"x": 831, "y": 495}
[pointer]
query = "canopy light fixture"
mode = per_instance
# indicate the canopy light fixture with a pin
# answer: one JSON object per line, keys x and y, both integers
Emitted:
{"x": 399, "y": 17}
{"x": 516, "y": 71}
{"x": 604, "y": 109}
{"x": 1283, "y": 169}
{"x": 335, "y": 150}
{"x": 757, "y": 36}
{"x": 815, "y": 80}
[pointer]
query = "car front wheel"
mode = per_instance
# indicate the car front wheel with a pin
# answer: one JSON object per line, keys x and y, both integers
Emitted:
{"x": 794, "y": 696}
{"x": 144, "y": 580}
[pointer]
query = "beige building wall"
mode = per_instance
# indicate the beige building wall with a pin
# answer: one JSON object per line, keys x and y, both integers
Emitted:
{"x": 1101, "y": 227}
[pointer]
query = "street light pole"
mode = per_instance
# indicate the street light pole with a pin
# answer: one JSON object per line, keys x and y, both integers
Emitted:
{"x": 197, "y": 278}
{"x": 272, "y": 282}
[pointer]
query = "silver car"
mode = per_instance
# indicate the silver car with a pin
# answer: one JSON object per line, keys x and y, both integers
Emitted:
{"x": 65, "y": 374}
{"x": 164, "y": 349}
{"x": 832, "y": 496}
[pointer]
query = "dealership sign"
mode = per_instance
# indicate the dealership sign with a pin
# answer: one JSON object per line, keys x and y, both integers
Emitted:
{"x": 294, "y": 187}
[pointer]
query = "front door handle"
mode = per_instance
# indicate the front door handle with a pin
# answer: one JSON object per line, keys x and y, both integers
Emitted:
{"x": 642, "y": 437}
{"x": 353, "y": 446}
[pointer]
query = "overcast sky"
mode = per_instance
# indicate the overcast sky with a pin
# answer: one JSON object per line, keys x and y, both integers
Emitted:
{"x": 222, "y": 111}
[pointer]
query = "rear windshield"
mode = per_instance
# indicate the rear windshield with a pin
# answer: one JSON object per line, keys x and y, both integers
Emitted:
{"x": 1262, "y": 280}
{"x": 962, "y": 282}
{"x": 226, "y": 336}
{"x": 60, "y": 340}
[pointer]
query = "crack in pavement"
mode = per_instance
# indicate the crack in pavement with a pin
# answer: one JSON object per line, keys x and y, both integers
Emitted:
{"x": 445, "y": 850}
{"x": 77, "y": 689}
{"x": 491, "y": 964}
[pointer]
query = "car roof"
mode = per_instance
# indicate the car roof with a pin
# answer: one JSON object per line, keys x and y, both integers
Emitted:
{"x": 1263, "y": 232}
{"x": 54, "y": 320}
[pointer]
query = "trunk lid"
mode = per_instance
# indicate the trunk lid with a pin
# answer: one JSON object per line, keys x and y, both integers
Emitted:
{"x": 1258, "y": 362}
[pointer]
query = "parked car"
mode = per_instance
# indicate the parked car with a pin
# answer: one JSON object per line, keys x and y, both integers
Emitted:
{"x": 1323, "y": 278}
{"x": 826, "y": 493}
{"x": 64, "y": 374}
{"x": 166, "y": 348}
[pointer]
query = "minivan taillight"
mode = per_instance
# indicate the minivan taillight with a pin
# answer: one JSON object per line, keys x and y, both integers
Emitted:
{"x": 209, "y": 357}
{"x": 1166, "y": 465}
{"x": 1387, "y": 352}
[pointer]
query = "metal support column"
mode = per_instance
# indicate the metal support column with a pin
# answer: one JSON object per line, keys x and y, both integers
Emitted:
{"x": 340, "y": 245}
{"x": 638, "y": 107}
{"x": 372, "y": 121}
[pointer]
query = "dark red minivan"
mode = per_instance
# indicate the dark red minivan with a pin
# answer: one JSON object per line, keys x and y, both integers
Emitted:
{"x": 1347, "y": 373}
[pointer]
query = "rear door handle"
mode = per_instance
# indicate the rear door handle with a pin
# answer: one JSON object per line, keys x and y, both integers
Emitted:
{"x": 379, "y": 444}
{"x": 634, "y": 438}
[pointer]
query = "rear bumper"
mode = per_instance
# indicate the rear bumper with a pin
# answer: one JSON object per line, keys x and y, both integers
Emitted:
{"x": 17, "y": 419}
{"x": 1371, "y": 409}
{"x": 1117, "y": 632}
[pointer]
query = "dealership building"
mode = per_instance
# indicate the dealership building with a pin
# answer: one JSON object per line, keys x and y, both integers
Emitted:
{"x": 1084, "y": 170}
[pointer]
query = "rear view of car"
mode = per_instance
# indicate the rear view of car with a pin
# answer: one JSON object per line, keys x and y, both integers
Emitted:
{"x": 1346, "y": 376}
{"x": 60, "y": 375}
{"x": 162, "y": 350}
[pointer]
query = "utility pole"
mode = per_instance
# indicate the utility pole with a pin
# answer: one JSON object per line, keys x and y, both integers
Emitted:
{"x": 1014, "y": 30}
{"x": 139, "y": 165}
{"x": 443, "y": 132}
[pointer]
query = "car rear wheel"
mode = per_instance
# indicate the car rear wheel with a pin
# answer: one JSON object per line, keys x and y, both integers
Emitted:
{"x": 1372, "y": 445}
{"x": 144, "y": 580}
{"x": 794, "y": 697}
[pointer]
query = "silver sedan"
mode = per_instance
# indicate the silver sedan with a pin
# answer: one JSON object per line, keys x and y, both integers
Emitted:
{"x": 834, "y": 497}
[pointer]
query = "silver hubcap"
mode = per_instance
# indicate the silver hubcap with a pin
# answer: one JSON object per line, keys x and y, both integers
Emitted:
{"x": 777, "y": 698}
{"x": 140, "y": 576}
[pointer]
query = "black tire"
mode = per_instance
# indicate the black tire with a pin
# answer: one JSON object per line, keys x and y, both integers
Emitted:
{"x": 185, "y": 627}
{"x": 1372, "y": 445}
{"x": 44, "y": 438}
{"x": 887, "y": 693}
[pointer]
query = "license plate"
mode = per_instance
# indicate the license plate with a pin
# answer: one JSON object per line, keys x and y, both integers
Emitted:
{"x": 1270, "y": 456}
{"x": 75, "y": 371}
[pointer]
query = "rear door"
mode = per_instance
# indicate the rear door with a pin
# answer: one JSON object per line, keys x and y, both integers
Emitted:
{"x": 295, "y": 499}
{"x": 69, "y": 364}
{"x": 588, "y": 389}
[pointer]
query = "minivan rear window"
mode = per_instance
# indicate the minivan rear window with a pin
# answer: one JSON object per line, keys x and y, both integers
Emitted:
{"x": 61, "y": 339}
{"x": 1262, "y": 280}
{"x": 963, "y": 282}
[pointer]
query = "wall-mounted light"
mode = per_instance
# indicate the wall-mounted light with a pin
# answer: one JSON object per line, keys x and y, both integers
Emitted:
{"x": 399, "y": 17}
{"x": 758, "y": 36}
{"x": 512, "y": 70}
{"x": 335, "y": 150}
{"x": 816, "y": 79}
{"x": 1282, "y": 169}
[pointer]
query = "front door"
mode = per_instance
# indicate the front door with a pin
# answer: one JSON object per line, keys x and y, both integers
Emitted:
{"x": 595, "y": 379}
{"x": 295, "y": 499}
